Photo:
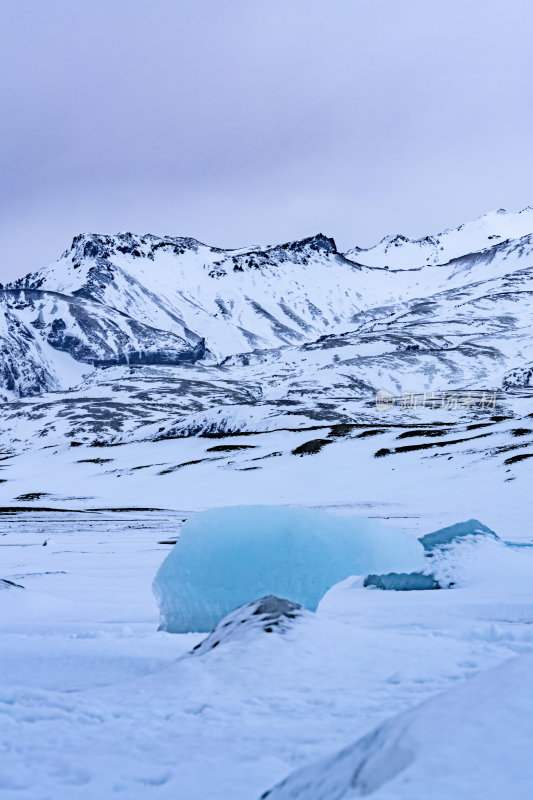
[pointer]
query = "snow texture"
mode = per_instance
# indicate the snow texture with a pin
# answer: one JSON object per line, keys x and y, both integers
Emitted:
{"x": 453, "y": 745}
{"x": 227, "y": 557}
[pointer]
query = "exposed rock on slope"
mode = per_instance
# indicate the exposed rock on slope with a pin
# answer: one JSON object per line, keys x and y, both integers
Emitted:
{"x": 269, "y": 614}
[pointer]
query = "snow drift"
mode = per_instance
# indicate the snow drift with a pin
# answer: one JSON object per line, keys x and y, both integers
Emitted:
{"x": 450, "y": 746}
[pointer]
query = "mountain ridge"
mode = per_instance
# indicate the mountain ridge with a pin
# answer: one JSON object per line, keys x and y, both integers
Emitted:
{"x": 129, "y": 299}
{"x": 449, "y": 243}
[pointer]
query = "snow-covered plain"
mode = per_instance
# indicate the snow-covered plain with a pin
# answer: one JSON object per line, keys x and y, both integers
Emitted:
{"x": 95, "y": 702}
{"x": 98, "y": 475}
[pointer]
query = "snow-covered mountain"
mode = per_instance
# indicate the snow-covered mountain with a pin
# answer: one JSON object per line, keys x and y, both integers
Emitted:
{"x": 48, "y": 337}
{"x": 148, "y": 300}
{"x": 400, "y": 252}
{"x": 129, "y": 338}
{"x": 236, "y": 300}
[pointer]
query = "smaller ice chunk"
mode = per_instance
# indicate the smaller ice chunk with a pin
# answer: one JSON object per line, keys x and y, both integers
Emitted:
{"x": 226, "y": 557}
{"x": 445, "y": 536}
{"x": 402, "y": 581}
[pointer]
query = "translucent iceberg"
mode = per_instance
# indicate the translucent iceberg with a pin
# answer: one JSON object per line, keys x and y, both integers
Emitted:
{"x": 226, "y": 557}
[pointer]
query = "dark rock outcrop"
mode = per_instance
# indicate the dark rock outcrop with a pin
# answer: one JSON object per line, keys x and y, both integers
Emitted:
{"x": 268, "y": 615}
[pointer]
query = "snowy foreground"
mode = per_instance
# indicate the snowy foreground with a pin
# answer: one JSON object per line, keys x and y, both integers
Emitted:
{"x": 425, "y": 693}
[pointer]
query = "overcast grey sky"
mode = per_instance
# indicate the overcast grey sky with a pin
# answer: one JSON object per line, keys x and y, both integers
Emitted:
{"x": 243, "y": 122}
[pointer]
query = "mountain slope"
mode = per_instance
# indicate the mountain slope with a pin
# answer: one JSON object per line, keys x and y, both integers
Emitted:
{"x": 247, "y": 339}
{"x": 236, "y": 300}
{"x": 48, "y": 336}
{"x": 400, "y": 252}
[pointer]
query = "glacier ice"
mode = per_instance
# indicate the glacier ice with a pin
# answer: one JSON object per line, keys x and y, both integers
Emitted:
{"x": 445, "y": 536}
{"x": 226, "y": 557}
{"x": 402, "y": 581}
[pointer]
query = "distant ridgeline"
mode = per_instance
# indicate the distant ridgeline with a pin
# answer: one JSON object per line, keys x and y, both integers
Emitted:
{"x": 448, "y": 305}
